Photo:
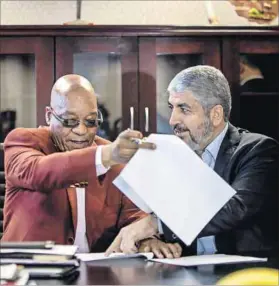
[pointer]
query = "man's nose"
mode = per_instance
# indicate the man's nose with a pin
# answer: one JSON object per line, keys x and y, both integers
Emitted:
{"x": 174, "y": 119}
{"x": 81, "y": 129}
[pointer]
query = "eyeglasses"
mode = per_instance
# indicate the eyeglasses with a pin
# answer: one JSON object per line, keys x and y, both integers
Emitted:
{"x": 72, "y": 123}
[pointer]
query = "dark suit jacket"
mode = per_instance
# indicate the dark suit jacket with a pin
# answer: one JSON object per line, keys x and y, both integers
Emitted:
{"x": 248, "y": 223}
{"x": 41, "y": 205}
{"x": 255, "y": 85}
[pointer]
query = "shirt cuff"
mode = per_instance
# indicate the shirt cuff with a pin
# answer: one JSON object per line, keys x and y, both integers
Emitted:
{"x": 100, "y": 168}
{"x": 160, "y": 227}
{"x": 159, "y": 224}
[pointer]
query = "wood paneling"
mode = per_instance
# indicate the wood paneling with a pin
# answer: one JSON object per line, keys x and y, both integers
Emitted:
{"x": 42, "y": 49}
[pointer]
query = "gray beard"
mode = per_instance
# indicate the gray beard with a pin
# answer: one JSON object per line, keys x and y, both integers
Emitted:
{"x": 197, "y": 144}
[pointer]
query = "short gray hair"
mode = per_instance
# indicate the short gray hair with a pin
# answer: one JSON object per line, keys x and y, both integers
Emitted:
{"x": 207, "y": 84}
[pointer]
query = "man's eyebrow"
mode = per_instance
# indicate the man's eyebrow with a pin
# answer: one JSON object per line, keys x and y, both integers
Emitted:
{"x": 93, "y": 113}
{"x": 73, "y": 113}
{"x": 184, "y": 105}
{"x": 181, "y": 105}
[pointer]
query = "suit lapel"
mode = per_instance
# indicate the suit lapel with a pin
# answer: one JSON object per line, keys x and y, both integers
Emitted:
{"x": 227, "y": 148}
{"x": 95, "y": 194}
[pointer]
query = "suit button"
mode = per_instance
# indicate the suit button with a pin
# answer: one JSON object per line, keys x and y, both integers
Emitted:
{"x": 71, "y": 240}
{"x": 174, "y": 236}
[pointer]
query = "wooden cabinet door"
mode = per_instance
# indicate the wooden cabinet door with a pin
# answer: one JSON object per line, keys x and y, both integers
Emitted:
{"x": 160, "y": 59}
{"x": 26, "y": 70}
{"x": 111, "y": 65}
{"x": 252, "y": 67}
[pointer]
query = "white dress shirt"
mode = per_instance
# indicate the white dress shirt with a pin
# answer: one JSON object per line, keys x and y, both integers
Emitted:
{"x": 206, "y": 245}
{"x": 80, "y": 237}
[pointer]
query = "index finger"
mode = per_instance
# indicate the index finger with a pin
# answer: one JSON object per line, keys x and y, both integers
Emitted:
{"x": 147, "y": 145}
{"x": 115, "y": 246}
{"x": 178, "y": 251}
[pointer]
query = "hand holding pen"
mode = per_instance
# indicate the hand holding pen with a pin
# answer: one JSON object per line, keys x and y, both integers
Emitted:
{"x": 124, "y": 147}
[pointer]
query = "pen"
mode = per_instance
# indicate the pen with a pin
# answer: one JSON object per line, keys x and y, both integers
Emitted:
{"x": 143, "y": 144}
{"x": 137, "y": 141}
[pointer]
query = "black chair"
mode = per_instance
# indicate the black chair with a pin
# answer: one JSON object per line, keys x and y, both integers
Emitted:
{"x": 2, "y": 187}
{"x": 7, "y": 123}
{"x": 2, "y": 177}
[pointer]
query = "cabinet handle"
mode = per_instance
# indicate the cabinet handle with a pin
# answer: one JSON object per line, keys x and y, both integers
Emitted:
{"x": 146, "y": 110}
{"x": 132, "y": 117}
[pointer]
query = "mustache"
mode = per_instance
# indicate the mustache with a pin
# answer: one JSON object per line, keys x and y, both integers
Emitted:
{"x": 179, "y": 128}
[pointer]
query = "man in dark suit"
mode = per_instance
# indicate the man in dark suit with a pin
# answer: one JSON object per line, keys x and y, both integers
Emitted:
{"x": 251, "y": 76}
{"x": 200, "y": 102}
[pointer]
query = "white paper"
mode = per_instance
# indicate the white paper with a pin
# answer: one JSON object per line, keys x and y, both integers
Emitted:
{"x": 69, "y": 250}
{"x": 38, "y": 262}
{"x": 209, "y": 260}
{"x": 121, "y": 184}
{"x": 101, "y": 256}
{"x": 8, "y": 272}
{"x": 176, "y": 185}
{"x": 12, "y": 272}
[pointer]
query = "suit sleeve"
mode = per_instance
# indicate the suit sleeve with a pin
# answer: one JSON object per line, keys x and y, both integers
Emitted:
{"x": 27, "y": 167}
{"x": 256, "y": 184}
{"x": 129, "y": 212}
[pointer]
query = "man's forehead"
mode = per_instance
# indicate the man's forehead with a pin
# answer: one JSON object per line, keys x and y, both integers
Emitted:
{"x": 80, "y": 106}
{"x": 75, "y": 96}
{"x": 71, "y": 82}
{"x": 182, "y": 97}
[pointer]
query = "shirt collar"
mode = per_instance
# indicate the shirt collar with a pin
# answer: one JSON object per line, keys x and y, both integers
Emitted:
{"x": 257, "y": 76}
{"x": 214, "y": 146}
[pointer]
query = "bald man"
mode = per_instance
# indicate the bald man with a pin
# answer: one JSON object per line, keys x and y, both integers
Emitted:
{"x": 59, "y": 178}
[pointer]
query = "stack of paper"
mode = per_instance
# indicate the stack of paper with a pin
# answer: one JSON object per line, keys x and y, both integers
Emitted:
{"x": 175, "y": 184}
{"x": 63, "y": 255}
{"x": 36, "y": 260}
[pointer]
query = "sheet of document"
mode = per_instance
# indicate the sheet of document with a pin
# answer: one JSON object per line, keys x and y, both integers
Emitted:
{"x": 210, "y": 260}
{"x": 38, "y": 262}
{"x": 122, "y": 185}
{"x": 175, "y": 184}
{"x": 8, "y": 272}
{"x": 12, "y": 275}
{"x": 101, "y": 256}
{"x": 68, "y": 250}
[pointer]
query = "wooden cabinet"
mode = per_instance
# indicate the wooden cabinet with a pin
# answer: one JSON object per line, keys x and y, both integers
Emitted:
{"x": 131, "y": 67}
{"x": 255, "y": 109}
{"x": 27, "y": 74}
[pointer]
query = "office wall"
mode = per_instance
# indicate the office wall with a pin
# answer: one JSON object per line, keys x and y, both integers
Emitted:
{"x": 34, "y": 12}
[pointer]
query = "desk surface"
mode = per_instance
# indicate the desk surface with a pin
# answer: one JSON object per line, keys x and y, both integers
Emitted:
{"x": 140, "y": 272}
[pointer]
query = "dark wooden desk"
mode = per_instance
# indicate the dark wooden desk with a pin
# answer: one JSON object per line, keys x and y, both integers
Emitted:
{"x": 140, "y": 272}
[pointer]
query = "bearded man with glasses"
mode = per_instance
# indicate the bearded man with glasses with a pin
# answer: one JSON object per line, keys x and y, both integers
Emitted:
{"x": 59, "y": 177}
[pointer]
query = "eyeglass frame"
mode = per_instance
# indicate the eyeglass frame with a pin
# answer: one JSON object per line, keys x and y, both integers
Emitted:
{"x": 99, "y": 120}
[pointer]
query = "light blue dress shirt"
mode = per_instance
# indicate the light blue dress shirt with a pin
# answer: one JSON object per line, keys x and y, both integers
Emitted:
{"x": 206, "y": 245}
